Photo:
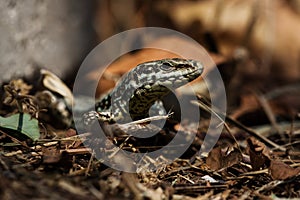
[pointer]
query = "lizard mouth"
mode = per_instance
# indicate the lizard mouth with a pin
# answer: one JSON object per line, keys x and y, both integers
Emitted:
{"x": 191, "y": 75}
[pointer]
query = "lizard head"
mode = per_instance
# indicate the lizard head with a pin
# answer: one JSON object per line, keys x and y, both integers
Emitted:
{"x": 173, "y": 72}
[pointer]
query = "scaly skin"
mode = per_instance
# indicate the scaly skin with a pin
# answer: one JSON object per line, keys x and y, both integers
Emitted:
{"x": 144, "y": 85}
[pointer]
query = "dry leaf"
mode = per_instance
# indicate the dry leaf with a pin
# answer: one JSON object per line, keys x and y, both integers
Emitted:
{"x": 217, "y": 159}
{"x": 274, "y": 32}
{"x": 259, "y": 154}
{"x": 51, "y": 154}
{"x": 281, "y": 171}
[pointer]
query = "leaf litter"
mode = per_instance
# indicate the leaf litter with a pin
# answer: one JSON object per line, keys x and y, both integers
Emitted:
{"x": 233, "y": 168}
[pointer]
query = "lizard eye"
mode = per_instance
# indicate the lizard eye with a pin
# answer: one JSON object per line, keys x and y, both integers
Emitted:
{"x": 166, "y": 67}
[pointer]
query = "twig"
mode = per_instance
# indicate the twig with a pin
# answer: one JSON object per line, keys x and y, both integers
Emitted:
{"x": 239, "y": 125}
{"x": 15, "y": 139}
{"x": 148, "y": 119}
{"x": 231, "y": 134}
{"x": 269, "y": 186}
{"x": 265, "y": 105}
{"x": 89, "y": 164}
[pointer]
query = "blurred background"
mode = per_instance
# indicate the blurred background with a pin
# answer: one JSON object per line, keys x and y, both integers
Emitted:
{"x": 255, "y": 43}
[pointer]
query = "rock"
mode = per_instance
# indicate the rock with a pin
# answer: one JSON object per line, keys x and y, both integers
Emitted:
{"x": 55, "y": 35}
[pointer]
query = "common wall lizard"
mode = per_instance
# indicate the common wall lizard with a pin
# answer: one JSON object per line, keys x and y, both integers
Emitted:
{"x": 142, "y": 87}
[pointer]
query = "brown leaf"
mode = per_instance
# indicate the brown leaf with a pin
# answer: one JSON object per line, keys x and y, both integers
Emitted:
{"x": 281, "y": 171}
{"x": 259, "y": 154}
{"x": 276, "y": 37}
{"x": 217, "y": 159}
{"x": 214, "y": 159}
{"x": 51, "y": 154}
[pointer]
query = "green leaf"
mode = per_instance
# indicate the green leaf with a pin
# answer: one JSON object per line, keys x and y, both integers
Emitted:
{"x": 22, "y": 123}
